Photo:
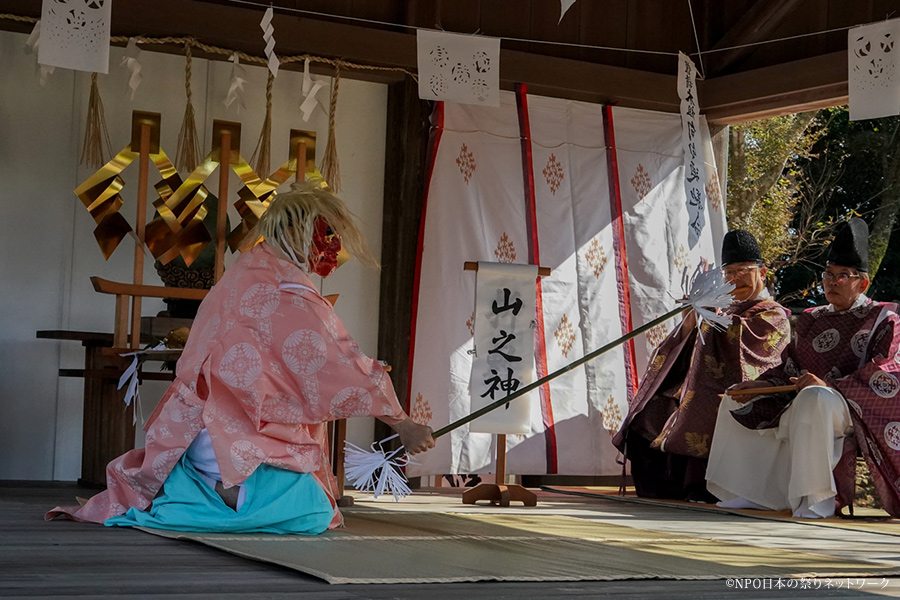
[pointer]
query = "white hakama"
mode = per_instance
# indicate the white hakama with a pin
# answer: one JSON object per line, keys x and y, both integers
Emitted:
{"x": 785, "y": 467}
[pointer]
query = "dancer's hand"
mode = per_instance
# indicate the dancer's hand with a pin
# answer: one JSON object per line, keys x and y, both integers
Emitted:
{"x": 414, "y": 437}
{"x": 689, "y": 323}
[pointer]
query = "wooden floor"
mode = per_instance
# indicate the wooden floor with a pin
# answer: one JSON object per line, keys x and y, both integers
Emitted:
{"x": 62, "y": 559}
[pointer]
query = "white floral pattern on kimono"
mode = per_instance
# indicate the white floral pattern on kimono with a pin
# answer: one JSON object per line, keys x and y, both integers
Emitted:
{"x": 265, "y": 369}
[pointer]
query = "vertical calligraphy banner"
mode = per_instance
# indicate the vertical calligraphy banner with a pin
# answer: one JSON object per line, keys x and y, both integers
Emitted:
{"x": 694, "y": 173}
{"x": 504, "y": 345}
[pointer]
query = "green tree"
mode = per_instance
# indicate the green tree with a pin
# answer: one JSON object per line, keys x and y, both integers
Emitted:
{"x": 854, "y": 169}
{"x": 763, "y": 181}
{"x": 793, "y": 178}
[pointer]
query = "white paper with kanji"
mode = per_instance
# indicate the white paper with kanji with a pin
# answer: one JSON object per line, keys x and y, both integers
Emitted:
{"x": 477, "y": 209}
{"x": 504, "y": 346}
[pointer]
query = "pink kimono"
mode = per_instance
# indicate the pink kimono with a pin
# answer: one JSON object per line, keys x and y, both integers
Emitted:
{"x": 267, "y": 365}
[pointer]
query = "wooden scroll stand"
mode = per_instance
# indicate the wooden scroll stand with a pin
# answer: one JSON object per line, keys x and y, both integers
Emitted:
{"x": 499, "y": 492}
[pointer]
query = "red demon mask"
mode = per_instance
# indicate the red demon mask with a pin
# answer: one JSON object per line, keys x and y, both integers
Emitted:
{"x": 326, "y": 245}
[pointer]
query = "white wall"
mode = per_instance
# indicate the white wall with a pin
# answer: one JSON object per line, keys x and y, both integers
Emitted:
{"x": 47, "y": 247}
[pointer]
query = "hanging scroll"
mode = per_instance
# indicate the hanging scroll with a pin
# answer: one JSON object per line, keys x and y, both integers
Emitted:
{"x": 75, "y": 34}
{"x": 504, "y": 345}
{"x": 874, "y": 70}
{"x": 458, "y": 68}
{"x": 694, "y": 175}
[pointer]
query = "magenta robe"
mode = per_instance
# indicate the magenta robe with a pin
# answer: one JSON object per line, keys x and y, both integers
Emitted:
{"x": 265, "y": 368}
{"x": 857, "y": 351}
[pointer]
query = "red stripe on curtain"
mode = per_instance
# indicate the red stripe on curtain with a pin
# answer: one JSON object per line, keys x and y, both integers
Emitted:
{"x": 437, "y": 120}
{"x": 621, "y": 256}
{"x": 534, "y": 257}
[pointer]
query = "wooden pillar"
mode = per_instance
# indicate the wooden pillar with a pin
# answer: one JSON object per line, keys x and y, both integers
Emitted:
{"x": 140, "y": 223}
{"x": 222, "y": 215}
{"x": 405, "y": 151}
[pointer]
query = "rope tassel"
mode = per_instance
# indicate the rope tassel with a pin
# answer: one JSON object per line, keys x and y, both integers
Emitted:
{"x": 262, "y": 154}
{"x": 187, "y": 153}
{"x": 707, "y": 290}
{"x": 95, "y": 131}
{"x": 331, "y": 169}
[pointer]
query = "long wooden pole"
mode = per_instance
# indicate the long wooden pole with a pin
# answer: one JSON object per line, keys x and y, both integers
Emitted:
{"x": 140, "y": 226}
{"x": 561, "y": 371}
{"x": 222, "y": 215}
{"x": 775, "y": 389}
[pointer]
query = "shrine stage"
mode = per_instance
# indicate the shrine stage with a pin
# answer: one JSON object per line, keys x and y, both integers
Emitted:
{"x": 592, "y": 546}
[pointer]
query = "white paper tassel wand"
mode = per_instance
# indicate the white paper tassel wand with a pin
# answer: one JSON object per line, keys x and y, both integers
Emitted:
{"x": 379, "y": 472}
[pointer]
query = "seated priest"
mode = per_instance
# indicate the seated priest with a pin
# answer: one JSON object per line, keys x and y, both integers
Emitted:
{"x": 669, "y": 427}
{"x": 843, "y": 363}
{"x": 237, "y": 444}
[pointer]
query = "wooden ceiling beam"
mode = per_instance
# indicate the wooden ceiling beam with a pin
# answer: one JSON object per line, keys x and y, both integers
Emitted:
{"x": 806, "y": 84}
{"x": 236, "y": 27}
{"x": 589, "y": 82}
{"x": 763, "y": 18}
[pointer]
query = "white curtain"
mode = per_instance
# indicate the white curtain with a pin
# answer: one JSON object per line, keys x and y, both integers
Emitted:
{"x": 496, "y": 194}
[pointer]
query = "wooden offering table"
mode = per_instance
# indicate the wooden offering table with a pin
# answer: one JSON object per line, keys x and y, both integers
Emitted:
{"x": 108, "y": 425}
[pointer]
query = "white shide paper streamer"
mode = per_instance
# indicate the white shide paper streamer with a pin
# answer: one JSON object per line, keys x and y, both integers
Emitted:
{"x": 32, "y": 44}
{"x": 564, "y": 6}
{"x": 310, "y": 89}
{"x": 132, "y": 62}
{"x": 130, "y": 380}
{"x": 236, "y": 87}
{"x": 269, "y": 37}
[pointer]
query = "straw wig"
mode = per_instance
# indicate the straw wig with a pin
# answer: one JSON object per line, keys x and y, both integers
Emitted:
{"x": 288, "y": 224}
